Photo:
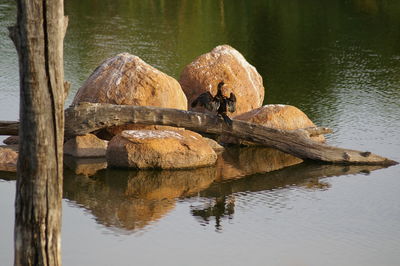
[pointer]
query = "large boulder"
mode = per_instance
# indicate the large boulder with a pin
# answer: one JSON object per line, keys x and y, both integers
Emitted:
{"x": 127, "y": 80}
{"x": 227, "y": 64}
{"x": 165, "y": 149}
{"x": 277, "y": 116}
{"x": 86, "y": 146}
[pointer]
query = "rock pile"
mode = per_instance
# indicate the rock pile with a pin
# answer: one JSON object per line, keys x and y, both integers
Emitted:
{"x": 127, "y": 80}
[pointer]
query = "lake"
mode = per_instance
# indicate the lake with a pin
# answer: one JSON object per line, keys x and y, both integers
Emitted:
{"x": 338, "y": 61}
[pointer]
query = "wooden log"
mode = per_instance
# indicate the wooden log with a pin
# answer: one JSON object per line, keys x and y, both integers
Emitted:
{"x": 9, "y": 128}
{"x": 88, "y": 117}
{"x": 38, "y": 37}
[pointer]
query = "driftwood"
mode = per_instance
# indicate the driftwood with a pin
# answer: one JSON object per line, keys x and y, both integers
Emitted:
{"x": 9, "y": 128}
{"x": 88, "y": 117}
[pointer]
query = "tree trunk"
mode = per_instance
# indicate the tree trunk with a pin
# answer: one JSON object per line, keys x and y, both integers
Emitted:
{"x": 88, "y": 117}
{"x": 38, "y": 37}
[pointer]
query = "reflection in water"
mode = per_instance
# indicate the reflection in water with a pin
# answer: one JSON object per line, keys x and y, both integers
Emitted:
{"x": 85, "y": 166}
{"x": 221, "y": 207}
{"x": 237, "y": 162}
{"x": 8, "y": 176}
{"x": 128, "y": 201}
{"x": 221, "y": 196}
{"x": 131, "y": 200}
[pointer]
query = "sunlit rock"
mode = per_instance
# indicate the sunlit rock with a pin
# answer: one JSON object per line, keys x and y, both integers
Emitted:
{"x": 165, "y": 149}
{"x": 85, "y": 146}
{"x": 227, "y": 64}
{"x": 8, "y": 159}
{"x": 215, "y": 145}
{"x": 116, "y": 130}
{"x": 277, "y": 116}
{"x": 126, "y": 79}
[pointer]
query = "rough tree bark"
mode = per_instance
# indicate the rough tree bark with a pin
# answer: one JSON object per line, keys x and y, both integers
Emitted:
{"x": 88, "y": 117}
{"x": 38, "y": 37}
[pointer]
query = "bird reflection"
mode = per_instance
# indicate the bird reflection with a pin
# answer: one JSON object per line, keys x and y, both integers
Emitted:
{"x": 220, "y": 208}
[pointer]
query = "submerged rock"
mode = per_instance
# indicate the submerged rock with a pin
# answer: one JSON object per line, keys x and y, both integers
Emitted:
{"x": 165, "y": 149}
{"x": 277, "y": 116}
{"x": 86, "y": 146}
{"x": 224, "y": 63}
{"x": 126, "y": 79}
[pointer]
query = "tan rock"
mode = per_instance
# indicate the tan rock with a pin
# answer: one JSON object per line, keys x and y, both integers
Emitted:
{"x": 86, "y": 146}
{"x": 215, "y": 145}
{"x": 116, "y": 130}
{"x": 278, "y": 116}
{"x": 165, "y": 149}
{"x": 127, "y": 80}
{"x": 8, "y": 159}
{"x": 227, "y": 64}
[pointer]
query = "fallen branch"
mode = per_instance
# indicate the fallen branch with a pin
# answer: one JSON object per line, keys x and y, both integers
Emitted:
{"x": 88, "y": 117}
{"x": 9, "y": 128}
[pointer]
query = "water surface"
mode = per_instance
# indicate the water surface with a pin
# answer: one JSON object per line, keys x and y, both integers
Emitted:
{"x": 338, "y": 61}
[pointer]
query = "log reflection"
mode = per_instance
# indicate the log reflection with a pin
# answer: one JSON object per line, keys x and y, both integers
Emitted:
{"x": 219, "y": 199}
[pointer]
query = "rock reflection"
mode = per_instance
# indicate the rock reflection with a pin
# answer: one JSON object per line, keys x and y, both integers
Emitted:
{"x": 220, "y": 197}
{"x": 85, "y": 166}
{"x": 128, "y": 201}
{"x": 131, "y": 200}
{"x": 237, "y": 162}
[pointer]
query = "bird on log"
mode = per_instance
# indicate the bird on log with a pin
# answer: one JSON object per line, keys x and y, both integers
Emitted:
{"x": 218, "y": 103}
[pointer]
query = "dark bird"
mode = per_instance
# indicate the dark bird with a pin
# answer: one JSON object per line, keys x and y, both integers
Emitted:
{"x": 218, "y": 103}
